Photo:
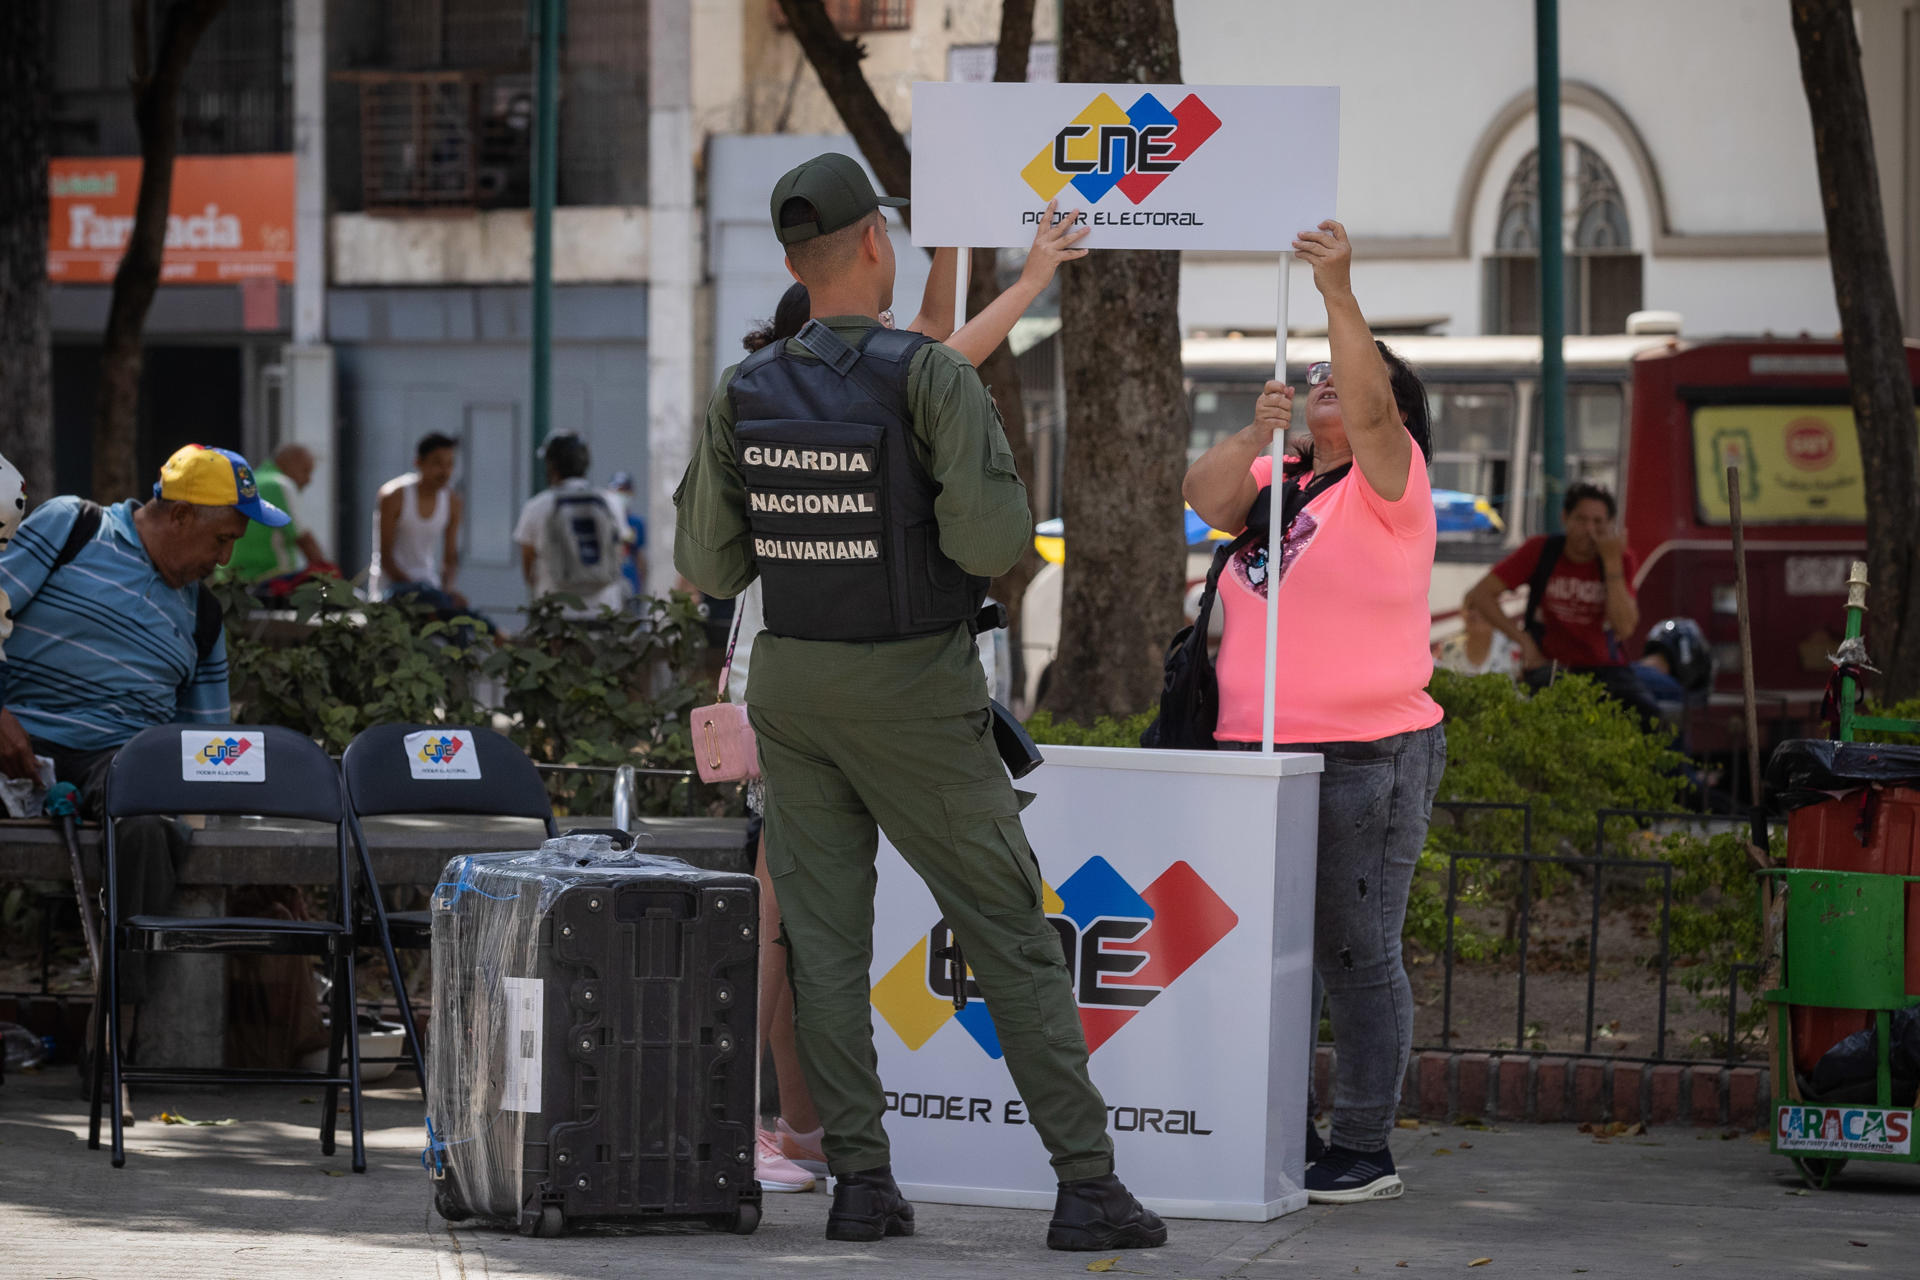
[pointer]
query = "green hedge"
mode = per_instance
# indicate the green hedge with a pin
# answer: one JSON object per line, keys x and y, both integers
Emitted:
{"x": 611, "y": 691}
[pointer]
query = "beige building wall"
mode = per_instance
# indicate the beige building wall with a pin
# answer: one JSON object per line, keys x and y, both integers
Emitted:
{"x": 781, "y": 94}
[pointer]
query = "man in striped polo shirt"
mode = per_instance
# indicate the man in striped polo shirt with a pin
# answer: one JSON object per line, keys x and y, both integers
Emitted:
{"x": 113, "y": 634}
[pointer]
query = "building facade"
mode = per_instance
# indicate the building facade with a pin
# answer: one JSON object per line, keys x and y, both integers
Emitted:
{"x": 1690, "y": 187}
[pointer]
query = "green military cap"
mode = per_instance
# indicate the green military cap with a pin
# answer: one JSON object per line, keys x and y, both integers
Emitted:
{"x": 837, "y": 188}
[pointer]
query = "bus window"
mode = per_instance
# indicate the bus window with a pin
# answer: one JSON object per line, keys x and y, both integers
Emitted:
{"x": 1473, "y": 444}
{"x": 1219, "y": 410}
{"x": 1799, "y": 464}
{"x": 1596, "y": 412}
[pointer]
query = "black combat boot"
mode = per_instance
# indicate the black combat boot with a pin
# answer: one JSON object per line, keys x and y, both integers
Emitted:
{"x": 1100, "y": 1213}
{"x": 868, "y": 1205}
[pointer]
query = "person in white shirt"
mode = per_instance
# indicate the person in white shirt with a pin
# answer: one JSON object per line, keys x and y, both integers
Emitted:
{"x": 572, "y": 534}
{"x": 1477, "y": 650}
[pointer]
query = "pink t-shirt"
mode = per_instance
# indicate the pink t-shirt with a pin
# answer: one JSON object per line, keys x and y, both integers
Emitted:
{"x": 1354, "y": 619}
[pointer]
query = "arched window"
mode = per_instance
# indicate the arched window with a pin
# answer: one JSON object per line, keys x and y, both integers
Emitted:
{"x": 1603, "y": 269}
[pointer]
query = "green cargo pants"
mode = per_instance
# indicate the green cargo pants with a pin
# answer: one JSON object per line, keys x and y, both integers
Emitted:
{"x": 939, "y": 791}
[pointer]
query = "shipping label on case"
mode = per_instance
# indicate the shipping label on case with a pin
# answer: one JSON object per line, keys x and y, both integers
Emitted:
{"x": 234, "y": 756}
{"x": 440, "y": 754}
{"x": 525, "y": 1017}
{"x": 1843, "y": 1130}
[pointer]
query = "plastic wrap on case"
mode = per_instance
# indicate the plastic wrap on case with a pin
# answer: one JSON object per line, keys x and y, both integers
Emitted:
{"x": 592, "y": 1044}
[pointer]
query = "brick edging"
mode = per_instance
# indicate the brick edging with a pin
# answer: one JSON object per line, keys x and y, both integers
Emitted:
{"x": 1529, "y": 1088}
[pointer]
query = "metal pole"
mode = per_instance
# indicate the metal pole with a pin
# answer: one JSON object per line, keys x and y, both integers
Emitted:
{"x": 1553, "y": 307}
{"x": 1276, "y": 540}
{"x": 546, "y": 143}
{"x": 1750, "y": 703}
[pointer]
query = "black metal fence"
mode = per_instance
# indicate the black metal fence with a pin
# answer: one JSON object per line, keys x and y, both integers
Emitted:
{"x": 1597, "y": 864}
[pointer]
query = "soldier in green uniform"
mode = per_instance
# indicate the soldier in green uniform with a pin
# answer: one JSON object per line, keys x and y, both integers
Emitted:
{"x": 862, "y": 474}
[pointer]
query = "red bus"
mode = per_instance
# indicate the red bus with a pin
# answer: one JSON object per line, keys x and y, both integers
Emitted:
{"x": 1780, "y": 409}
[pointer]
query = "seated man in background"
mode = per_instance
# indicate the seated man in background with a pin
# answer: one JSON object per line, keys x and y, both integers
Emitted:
{"x": 274, "y": 560}
{"x": 113, "y": 634}
{"x": 1579, "y": 601}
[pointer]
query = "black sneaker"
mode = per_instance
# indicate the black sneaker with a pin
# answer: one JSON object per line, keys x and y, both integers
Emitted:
{"x": 1100, "y": 1213}
{"x": 1342, "y": 1176}
{"x": 1316, "y": 1146}
{"x": 868, "y": 1205}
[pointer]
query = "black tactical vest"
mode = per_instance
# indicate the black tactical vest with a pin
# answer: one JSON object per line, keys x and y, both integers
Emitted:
{"x": 838, "y": 500}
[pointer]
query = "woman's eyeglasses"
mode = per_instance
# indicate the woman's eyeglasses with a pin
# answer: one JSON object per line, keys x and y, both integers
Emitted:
{"x": 1318, "y": 372}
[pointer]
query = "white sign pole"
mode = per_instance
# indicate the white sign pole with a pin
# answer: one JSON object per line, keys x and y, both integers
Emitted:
{"x": 962, "y": 263}
{"x": 1275, "y": 534}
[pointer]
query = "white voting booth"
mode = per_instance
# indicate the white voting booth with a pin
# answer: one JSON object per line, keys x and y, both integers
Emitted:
{"x": 1180, "y": 882}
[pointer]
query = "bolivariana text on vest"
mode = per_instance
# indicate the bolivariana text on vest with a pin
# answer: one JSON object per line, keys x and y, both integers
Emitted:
{"x": 819, "y": 549}
{"x": 781, "y": 458}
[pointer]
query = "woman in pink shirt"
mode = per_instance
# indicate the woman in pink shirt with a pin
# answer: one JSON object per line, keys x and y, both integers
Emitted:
{"x": 1356, "y": 515}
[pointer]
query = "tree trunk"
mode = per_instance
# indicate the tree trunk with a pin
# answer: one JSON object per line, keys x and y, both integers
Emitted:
{"x": 26, "y": 348}
{"x": 1882, "y": 389}
{"x": 1127, "y": 421}
{"x": 836, "y": 60}
{"x": 158, "y": 69}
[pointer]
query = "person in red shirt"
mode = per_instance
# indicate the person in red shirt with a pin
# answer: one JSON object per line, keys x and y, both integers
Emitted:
{"x": 1579, "y": 602}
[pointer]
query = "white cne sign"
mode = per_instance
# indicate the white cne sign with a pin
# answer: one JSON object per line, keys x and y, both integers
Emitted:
{"x": 434, "y": 754}
{"x": 223, "y": 755}
{"x": 1241, "y": 168}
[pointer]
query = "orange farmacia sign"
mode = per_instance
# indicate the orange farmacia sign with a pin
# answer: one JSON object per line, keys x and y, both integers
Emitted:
{"x": 230, "y": 219}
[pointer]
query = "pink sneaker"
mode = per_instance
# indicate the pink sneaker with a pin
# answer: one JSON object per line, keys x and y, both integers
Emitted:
{"x": 804, "y": 1149}
{"x": 774, "y": 1171}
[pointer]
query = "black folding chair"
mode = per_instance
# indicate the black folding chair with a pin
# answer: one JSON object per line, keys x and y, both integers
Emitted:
{"x": 227, "y": 769}
{"x": 380, "y": 770}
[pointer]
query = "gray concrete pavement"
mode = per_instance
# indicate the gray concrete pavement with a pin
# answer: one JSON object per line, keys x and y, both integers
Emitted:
{"x": 258, "y": 1199}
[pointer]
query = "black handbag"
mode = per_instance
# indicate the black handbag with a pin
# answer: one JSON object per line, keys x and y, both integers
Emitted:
{"x": 1190, "y": 692}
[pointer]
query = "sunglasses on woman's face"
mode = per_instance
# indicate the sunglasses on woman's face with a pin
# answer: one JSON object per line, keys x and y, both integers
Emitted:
{"x": 1318, "y": 372}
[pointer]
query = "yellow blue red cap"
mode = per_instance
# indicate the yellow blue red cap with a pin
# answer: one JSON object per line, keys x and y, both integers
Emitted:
{"x": 216, "y": 478}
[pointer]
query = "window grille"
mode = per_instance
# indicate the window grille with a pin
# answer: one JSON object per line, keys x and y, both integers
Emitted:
{"x": 419, "y": 139}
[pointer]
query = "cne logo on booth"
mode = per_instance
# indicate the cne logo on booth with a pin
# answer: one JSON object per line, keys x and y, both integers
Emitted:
{"x": 1123, "y": 947}
{"x": 439, "y": 750}
{"x": 1104, "y": 147}
{"x": 220, "y": 751}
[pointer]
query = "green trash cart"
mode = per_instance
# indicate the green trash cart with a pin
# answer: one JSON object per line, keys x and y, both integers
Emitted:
{"x": 1843, "y": 946}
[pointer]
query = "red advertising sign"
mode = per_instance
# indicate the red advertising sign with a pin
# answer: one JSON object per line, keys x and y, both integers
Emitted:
{"x": 230, "y": 219}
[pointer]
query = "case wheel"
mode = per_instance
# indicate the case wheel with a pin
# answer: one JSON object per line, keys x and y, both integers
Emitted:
{"x": 448, "y": 1208}
{"x": 552, "y": 1222}
{"x": 745, "y": 1220}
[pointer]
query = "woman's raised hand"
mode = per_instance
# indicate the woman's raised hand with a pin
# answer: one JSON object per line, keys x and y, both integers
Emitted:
{"x": 1053, "y": 244}
{"x": 1331, "y": 254}
{"x": 1273, "y": 411}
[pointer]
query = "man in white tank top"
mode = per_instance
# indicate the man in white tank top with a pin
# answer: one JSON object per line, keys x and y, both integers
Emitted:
{"x": 417, "y": 548}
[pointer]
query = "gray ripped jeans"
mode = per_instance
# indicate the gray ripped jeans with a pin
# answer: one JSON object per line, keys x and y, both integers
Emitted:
{"x": 1376, "y": 799}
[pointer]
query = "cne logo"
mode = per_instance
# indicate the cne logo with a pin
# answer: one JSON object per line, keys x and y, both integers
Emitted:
{"x": 439, "y": 749}
{"x": 1135, "y": 150}
{"x": 1123, "y": 948}
{"x": 224, "y": 751}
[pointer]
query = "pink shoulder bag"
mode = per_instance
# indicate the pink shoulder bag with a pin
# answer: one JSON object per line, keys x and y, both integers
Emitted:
{"x": 723, "y": 745}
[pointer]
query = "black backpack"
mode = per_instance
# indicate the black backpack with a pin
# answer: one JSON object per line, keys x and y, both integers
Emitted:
{"x": 1537, "y": 585}
{"x": 1190, "y": 692}
{"x": 207, "y": 622}
{"x": 1537, "y": 590}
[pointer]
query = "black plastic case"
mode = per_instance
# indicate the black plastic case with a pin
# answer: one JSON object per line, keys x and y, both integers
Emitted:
{"x": 592, "y": 1043}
